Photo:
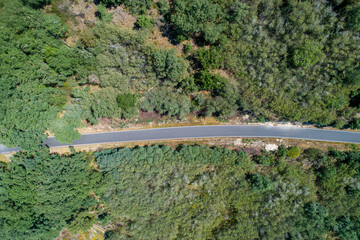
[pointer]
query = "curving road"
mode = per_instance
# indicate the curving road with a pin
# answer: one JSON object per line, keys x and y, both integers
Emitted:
{"x": 206, "y": 132}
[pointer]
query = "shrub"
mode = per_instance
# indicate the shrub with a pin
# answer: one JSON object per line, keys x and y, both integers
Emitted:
{"x": 308, "y": 54}
{"x": 209, "y": 81}
{"x": 126, "y": 100}
{"x": 355, "y": 123}
{"x": 353, "y": 19}
{"x": 36, "y": 3}
{"x": 294, "y": 152}
{"x": 187, "y": 48}
{"x": 167, "y": 102}
{"x": 143, "y": 22}
{"x": 209, "y": 58}
{"x": 260, "y": 182}
{"x": 167, "y": 66}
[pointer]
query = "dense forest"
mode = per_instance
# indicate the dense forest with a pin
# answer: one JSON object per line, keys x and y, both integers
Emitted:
{"x": 272, "y": 59}
{"x": 187, "y": 192}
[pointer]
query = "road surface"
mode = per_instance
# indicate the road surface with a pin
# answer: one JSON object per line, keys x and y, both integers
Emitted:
{"x": 206, "y": 132}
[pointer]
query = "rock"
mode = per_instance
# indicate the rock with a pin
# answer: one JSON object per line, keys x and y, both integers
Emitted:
{"x": 93, "y": 79}
{"x": 238, "y": 142}
{"x": 271, "y": 147}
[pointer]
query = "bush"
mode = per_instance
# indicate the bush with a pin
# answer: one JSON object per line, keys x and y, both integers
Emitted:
{"x": 355, "y": 123}
{"x": 210, "y": 82}
{"x": 135, "y": 6}
{"x": 126, "y": 101}
{"x": 209, "y": 58}
{"x": 36, "y": 3}
{"x": 294, "y": 152}
{"x": 353, "y": 77}
{"x": 339, "y": 123}
{"x": 167, "y": 102}
{"x": 168, "y": 66}
{"x": 308, "y": 54}
{"x": 128, "y": 104}
{"x": 353, "y": 19}
{"x": 189, "y": 85}
{"x": 103, "y": 14}
{"x": 264, "y": 159}
{"x": 261, "y": 182}
{"x": 187, "y": 48}
{"x": 143, "y": 22}
{"x": 100, "y": 104}
{"x": 163, "y": 6}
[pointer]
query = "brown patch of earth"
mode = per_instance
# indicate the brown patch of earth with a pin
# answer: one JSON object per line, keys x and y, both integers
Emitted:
{"x": 96, "y": 232}
{"x": 149, "y": 116}
{"x": 83, "y": 14}
{"x": 223, "y": 73}
{"x": 122, "y": 18}
{"x": 157, "y": 38}
{"x": 94, "y": 88}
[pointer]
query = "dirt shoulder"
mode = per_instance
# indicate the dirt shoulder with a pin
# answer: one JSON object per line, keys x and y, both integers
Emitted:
{"x": 249, "y": 145}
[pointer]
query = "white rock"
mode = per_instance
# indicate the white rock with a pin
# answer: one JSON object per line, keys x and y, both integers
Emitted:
{"x": 271, "y": 147}
{"x": 238, "y": 142}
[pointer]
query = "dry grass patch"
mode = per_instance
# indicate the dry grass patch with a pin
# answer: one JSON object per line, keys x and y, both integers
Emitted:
{"x": 5, "y": 158}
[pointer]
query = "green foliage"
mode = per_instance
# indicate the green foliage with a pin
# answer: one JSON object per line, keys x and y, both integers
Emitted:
{"x": 34, "y": 64}
{"x": 138, "y": 6}
{"x": 168, "y": 67}
{"x": 126, "y": 100}
{"x": 83, "y": 221}
{"x": 43, "y": 193}
{"x": 143, "y": 22}
{"x": 135, "y": 6}
{"x": 36, "y": 3}
{"x": 193, "y": 178}
{"x": 64, "y": 127}
{"x": 100, "y": 104}
{"x": 148, "y": 189}
{"x": 212, "y": 82}
{"x": 307, "y": 55}
{"x": 312, "y": 223}
{"x": 111, "y": 2}
{"x": 264, "y": 159}
{"x": 355, "y": 123}
{"x": 103, "y": 14}
{"x": 212, "y": 32}
{"x": 196, "y": 17}
{"x": 284, "y": 63}
{"x": 353, "y": 19}
{"x": 189, "y": 85}
{"x": 120, "y": 58}
{"x": 209, "y": 58}
{"x": 294, "y": 152}
{"x": 353, "y": 77}
{"x": 187, "y": 48}
{"x": 260, "y": 182}
{"x": 225, "y": 104}
{"x": 128, "y": 104}
{"x": 166, "y": 102}
{"x": 346, "y": 227}
{"x": 163, "y": 6}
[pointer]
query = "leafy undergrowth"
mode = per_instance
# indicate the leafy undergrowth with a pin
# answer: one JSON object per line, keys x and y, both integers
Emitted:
{"x": 194, "y": 192}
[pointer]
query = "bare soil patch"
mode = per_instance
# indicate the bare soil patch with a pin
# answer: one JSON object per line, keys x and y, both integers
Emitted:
{"x": 122, "y": 18}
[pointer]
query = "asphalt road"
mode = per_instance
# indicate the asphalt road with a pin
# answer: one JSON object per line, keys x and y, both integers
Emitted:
{"x": 208, "y": 131}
